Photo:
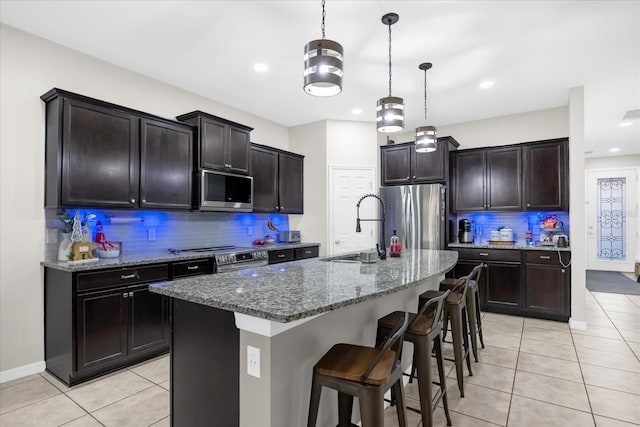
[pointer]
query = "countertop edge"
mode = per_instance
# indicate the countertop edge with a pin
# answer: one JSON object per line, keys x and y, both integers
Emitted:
{"x": 522, "y": 247}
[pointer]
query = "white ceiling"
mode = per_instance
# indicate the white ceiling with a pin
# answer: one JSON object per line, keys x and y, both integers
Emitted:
{"x": 535, "y": 51}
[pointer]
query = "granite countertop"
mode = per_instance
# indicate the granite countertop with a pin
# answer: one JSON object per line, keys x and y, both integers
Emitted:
{"x": 517, "y": 245}
{"x": 298, "y": 289}
{"x": 130, "y": 260}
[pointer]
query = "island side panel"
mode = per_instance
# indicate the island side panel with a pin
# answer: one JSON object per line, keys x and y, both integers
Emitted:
{"x": 282, "y": 394}
{"x": 204, "y": 366}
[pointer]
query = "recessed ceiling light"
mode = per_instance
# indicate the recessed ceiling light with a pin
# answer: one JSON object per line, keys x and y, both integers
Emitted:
{"x": 487, "y": 84}
{"x": 614, "y": 150}
{"x": 357, "y": 111}
{"x": 624, "y": 124}
{"x": 261, "y": 68}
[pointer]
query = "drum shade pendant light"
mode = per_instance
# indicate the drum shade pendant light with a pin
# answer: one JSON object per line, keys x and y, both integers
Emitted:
{"x": 390, "y": 110}
{"x": 426, "y": 137}
{"x": 323, "y": 62}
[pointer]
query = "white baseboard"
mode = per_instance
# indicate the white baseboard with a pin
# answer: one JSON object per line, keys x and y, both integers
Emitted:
{"x": 21, "y": 371}
{"x": 578, "y": 324}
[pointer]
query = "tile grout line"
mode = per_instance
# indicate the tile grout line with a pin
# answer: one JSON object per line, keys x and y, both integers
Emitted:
{"x": 606, "y": 313}
{"x": 515, "y": 374}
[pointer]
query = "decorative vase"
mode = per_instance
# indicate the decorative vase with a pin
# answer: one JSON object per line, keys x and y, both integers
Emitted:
{"x": 64, "y": 250}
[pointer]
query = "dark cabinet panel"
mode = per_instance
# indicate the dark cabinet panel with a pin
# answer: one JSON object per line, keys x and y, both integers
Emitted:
{"x": 212, "y": 135}
{"x": 396, "y": 164}
{"x": 99, "y": 156}
{"x": 303, "y": 253}
{"x": 430, "y": 167}
{"x": 546, "y": 175}
{"x": 149, "y": 320}
{"x": 278, "y": 180}
{"x": 101, "y": 336}
{"x": 281, "y": 255}
{"x": 166, "y": 165}
{"x": 503, "y": 285}
{"x": 503, "y": 179}
{"x": 469, "y": 181}
{"x": 238, "y": 150}
{"x": 264, "y": 169}
{"x": 546, "y": 288}
{"x": 191, "y": 268}
{"x": 290, "y": 183}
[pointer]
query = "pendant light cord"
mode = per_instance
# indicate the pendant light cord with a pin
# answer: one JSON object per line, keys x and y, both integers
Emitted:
{"x": 389, "y": 58}
{"x": 323, "y": 16}
{"x": 425, "y": 95}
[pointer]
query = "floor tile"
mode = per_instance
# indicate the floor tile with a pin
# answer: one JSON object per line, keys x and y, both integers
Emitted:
{"x": 497, "y": 327}
{"x": 165, "y": 385}
{"x": 611, "y": 378}
{"x": 549, "y": 366}
{"x": 610, "y": 422}
{"x": 480, "y": 402}
{"x": 526, "y": 412}
{"x": 625, "y": 362}
{"x": 156, "y": 371}
{"x": 551, "y": 390}
{"x": 544, "y": 348}
{"x": 391, "y": 417}
{"x": 602, "y": 322}
{"x": 492, "y": 376}
{"x": 547, "y": 324}
{"x": 635, "y": 347}
{"x": 53, "y": 411}
{"x": 86, "y": 421}
{"x": 629, "y": 317}
{"x": 509, "y": 342}
{"x": 547, "y": 335}
{"x": 598, "y": 331}
{"x": 621, "y": 308}
{"x": 599, "y": 343}
{"x": 141, "y": 409}
{"x": 498, "y": 356}
{"x": 503, "y": 318}
{"x": 165, "y": 422}
{"x": 626, "y": 324}
{"x": 18, "y": 381}
{"x": 630, "y": 335}
{"x": 25, "y": 393}
{"x": 457, "y": 420}
{"x": 610, "y": 298}
{"x": 55, "y": 382}
{"x": 615, "y": 404}
{"x": 99, "y": 394}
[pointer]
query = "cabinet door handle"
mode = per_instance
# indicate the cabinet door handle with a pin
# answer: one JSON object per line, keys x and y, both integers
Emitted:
{"x": 414, "y": 177}
{"x": 128, "y": 276}
{"x": 483, "y": 254}
{"x": 144, "y": 200}
{"x": 307, "y": 252}
{"x": 280, "y": 255}
{"x": 408, "y": 177}
{"x": 281, "y": 207}
{"x": 562, "y": 270}
{"x": 528, "y": 205}
{"x": 130, "y": 294}
{"x": 545, "y": 257}
{"x": 192, "y": 267}
{"x": 125, "y": 295}
{"x": 132, "y": 200}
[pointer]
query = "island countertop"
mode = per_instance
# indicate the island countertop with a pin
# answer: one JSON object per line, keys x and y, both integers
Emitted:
{"x": 299, "y": 289}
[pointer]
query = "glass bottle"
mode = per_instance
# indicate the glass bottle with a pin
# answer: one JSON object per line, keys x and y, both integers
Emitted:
{"x": 395, "y": 247}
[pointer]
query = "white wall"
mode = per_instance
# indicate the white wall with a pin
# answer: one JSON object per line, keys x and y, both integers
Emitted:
{"x": 30, "y": 66}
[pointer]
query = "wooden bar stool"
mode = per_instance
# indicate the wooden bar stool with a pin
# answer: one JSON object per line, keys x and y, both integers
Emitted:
{"x": 366, "y": 373}
{"x": 473, "y": 304}
{"x": 425, "y": 333}
{"x": 455, "y": 305}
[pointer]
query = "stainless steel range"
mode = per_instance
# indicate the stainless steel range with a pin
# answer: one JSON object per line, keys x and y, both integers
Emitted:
{"x": 232, "y": 258}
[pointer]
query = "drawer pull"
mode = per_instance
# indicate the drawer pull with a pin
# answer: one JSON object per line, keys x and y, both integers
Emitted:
{"x": 125, "y": 295}
{"x": 483, "y": 254}
{"x": 307, "y": 252}
{"x": 128, "y": 276}
{"x": 545, "y": 257}
{"x": 192, "y": 267}
{"x": 280, "y": 255}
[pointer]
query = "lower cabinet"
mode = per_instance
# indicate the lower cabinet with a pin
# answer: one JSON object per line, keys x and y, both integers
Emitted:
{"x": 100, "y": 321}
{"x": 527, "y": 283}
{"x": 291, "y": 254}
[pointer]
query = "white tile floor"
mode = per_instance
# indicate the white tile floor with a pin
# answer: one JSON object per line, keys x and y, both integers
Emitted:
{"x": 531, "y": 373}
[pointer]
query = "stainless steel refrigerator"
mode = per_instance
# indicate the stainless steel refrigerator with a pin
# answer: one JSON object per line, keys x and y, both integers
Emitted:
{"x": 417, "y": 213}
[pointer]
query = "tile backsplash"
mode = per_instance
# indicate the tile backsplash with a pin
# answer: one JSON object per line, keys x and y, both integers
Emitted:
{"x": 135, "y": 229}
{"x": 519, "y": 222}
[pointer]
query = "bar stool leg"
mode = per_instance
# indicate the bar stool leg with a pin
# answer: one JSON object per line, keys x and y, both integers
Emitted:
{"x": 422, "y": 348}
{"x": 473, "y": 326}
{"x": 441, "y": 373}
{"x": 465, "y": 338}
{"x": 401, "y": 404}
{"x": 372, "y": 409}
{"x": 345, "y": 408}
{"x": 457, "y": 331}
{"x": 314, "y": 401}
{"x": 479, "y": 316}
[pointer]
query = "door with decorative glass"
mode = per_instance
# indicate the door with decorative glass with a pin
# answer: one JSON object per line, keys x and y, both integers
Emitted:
{"x": 612, "y": 219}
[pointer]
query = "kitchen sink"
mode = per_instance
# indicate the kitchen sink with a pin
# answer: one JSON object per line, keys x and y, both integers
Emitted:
{"x": 349, "y": 258}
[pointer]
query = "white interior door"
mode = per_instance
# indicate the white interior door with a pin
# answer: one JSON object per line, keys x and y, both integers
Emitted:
{"x": 346, "y": 186}
{"x": 612, "y": 219}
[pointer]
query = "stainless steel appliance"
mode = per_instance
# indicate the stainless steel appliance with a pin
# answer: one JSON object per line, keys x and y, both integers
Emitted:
{"x": 232, "y": 258}
{"x": 417, "y": 213}
{"x": 465, "y": 233}
{"x": 220, "y": 191}
{"x": 289, "y": 236}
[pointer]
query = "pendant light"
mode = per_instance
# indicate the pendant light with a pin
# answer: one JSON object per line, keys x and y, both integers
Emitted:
{"x": 426, "y": 137}
{"x": 323, "y": 62}
{"x": 390, "y": 110}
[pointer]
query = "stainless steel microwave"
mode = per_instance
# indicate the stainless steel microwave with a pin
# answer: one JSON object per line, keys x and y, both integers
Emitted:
{"x": 220, "y": 191}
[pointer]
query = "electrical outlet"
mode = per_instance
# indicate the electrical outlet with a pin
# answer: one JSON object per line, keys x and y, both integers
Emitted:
{"x": 253, "y": 361}
{"x": 151, "y": 234}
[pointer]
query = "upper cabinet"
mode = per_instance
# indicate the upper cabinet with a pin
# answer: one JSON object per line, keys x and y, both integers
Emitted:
{"x": 546, "y": 175}
{"x": 277, "y": 180}
{"x": 401, "y": 164}
{"x": 104, "y": 155}
{"x": 221, "y": 144}
{"x": 487, "y": 179}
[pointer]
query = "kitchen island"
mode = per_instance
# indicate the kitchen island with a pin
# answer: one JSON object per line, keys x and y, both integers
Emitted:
{"x": 291, "y": 313}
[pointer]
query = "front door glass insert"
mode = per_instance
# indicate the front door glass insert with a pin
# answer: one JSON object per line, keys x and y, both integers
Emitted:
{"x": 611, "y": 219}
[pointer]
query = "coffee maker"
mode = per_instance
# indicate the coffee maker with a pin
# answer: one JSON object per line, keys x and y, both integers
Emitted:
{"x": 465, "y": 235}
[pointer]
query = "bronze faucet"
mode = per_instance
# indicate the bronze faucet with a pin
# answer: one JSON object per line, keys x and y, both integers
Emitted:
{"x": 381, "y": 248}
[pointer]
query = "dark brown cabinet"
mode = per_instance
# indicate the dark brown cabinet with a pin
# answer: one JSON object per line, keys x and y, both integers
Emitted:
{"x": 291, "y": 254}
{"x": 548, "y": 283}
{"x": 221, "y": 144}
{"x": 105, "y": 155}
{"x": 488, "y": 179}
{"x": 546, "y": 173}
{"x": 277, "y": 180}
{"x": 401, "y": 164}
{"x": 99, "y": 321}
